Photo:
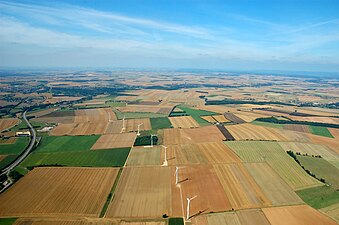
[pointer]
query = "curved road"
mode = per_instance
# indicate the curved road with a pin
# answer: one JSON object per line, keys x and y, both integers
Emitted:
{"x": 23, "y": 155}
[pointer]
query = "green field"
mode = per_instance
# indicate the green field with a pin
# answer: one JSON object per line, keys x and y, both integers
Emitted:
{"x": 321, "y": 168}
{"x": 266, "y": 124}
{"x": 66, "y": 143}
{"x": 175, "y": 221}
{"x": 196, "y": 114}
{"x": 16, "y": 148}
{"x": 321, "y": 131}
{"x": 319, "y": 197}
{"x": 277, "y": 158}
{"x": 160, "y": 123}
{"x": 115, "y": 104}
{"x": 7, "y": 221}
{"x": 99, "y": 158}
{"x": 7, "y": 160}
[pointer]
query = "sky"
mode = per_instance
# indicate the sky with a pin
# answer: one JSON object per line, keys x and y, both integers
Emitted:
{"x": 291, "y": 35}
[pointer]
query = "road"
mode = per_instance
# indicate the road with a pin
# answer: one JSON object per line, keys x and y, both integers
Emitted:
{"x": 23, "y": 155}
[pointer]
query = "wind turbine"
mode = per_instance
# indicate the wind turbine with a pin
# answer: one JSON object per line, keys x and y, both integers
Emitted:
{"x": 165, "y": 160}
{"x": 138, "y": 134}
{"x": 188, "y": 206}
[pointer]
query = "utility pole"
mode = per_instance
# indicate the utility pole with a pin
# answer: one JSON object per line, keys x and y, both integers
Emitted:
{"x": 152, "y": 135}
{"x": 188, "y": 206}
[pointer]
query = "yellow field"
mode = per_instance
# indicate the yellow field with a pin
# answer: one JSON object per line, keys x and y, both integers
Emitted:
{"x": 108, "y": 141}
{"x": 59, "y": 191}
{"x": 220, "y": 119}
{"x": 183, "y": 122}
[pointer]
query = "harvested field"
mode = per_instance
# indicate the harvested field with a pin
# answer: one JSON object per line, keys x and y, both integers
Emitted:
{"x": 253, "y": 132}
{"x": 220, "y": 119}
{"x": 203, "y": 182}
{"x": 143, "y": 223}
{"x": 67, "y": 192}
{"x": 334, "y": 132}
{"x": 142, "y": 192}
{"x": 332, "y": 211}
{"x": 139, "y": 108}
{"x": 243, "y": 217}
{"x": 196, "y": 135}
{"x": 141, "y": 156}
{"x": 297, "y": 127}
{"x": 10, "y": 140}
{"x": 79, "y": 129}
{"x": 201, "y": 153}
{"x": 332, "y": 143}
{"x": 233, "y": 118}
{"x": 114, "y": 127}
{"x": 248, "y": 116}
{"x": 275, "y": 156}
{"x": 274, "y": 187}
{"x": 60, "y": 113}
{"x": 310, "y": 149}
{"x": 63, "y": 120}
{"x": 100, "y": 115}
{"x": 209, "y": 119}
{"x": 183, "y": 122}
{"x": 54, "y": 221}
{"x": 241, "y": 189}
{"x": 296, "y": 215}
{"x": 132, "y": 124}
{"x": 108, "y": 141}
{"x": 317, "y": 119}
{"x": 8, "y": 123}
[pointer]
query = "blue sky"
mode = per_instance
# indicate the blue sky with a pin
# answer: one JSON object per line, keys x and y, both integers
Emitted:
{"x": 234, "y": 35}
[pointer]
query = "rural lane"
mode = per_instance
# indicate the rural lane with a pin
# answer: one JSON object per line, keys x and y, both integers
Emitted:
{"x": 23, "y": 155}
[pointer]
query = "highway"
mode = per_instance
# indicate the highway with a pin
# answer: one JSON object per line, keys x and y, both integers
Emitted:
{"x": 23, "y": 155}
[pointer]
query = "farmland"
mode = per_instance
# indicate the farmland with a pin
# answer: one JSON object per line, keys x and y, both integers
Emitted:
{"x": 183, "y": 122}
{"x": 8, "y": 123}
{"x": 274, "y": 155}
{"x": 108, "y": 141}
{"x": 148, "y": 193}
{"x": 296, "y": 215}
{"x": 59, "y": 184}
{"x": 223, "y": 140}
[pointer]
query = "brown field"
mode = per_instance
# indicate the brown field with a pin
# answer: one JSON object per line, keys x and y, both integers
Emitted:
{"x": 183, "y": 122}
{"x": 108, "y": 141}
{"x": 333, "y": 143}
{"x": 56, "y": 221}
{"x": 248, "y": 116}
{"x": 142, "y": 192}
{"x": 274, "y": 187}
{"x": 196, "y": 135}
{"x": 66, "y": 191}
{"x": 298, "y": 128}
{"x": 203, "y": 181}
{"x": 332, "y": 211}
{"x": 114, "y": 127}
{"x": 217, "y": 108}
{"x": 10, "y": 140}
{"x": 143, "y": 223}
{"x": 100, "y": 115}
{"x": 2, "y": 157}
{"x": 47, "y": 119}
{"x": 201, "y": 153}
{"x": 296, "y": 215}
{"x": 79, "y": 129}
{"x": 253, "y": 132}
{"x": 8, "y": 123}
{"x": 209, "y": 119}
{"x": 132, "y": 124}
{"x": 146, "y": 108}
{"x": 220, "y": 119}
{"x": 141, "y": 156}
{"x": 232, "y": 117}
{"x": 241, "y": 189}
{"x": 334, "y": 132}
{"x": 242, "y": 217}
